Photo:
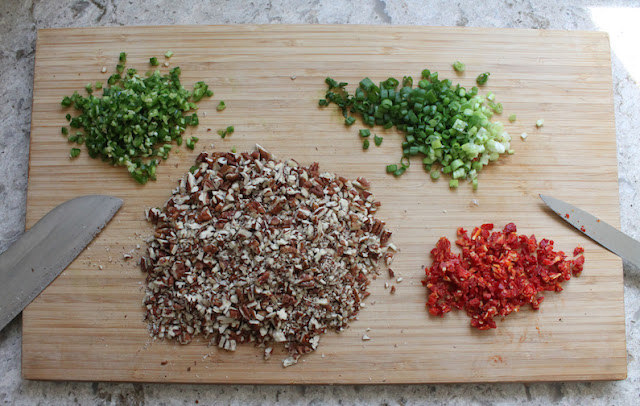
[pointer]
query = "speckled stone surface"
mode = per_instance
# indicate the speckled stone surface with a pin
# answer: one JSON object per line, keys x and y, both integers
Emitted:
{"x": 19, "y": 20}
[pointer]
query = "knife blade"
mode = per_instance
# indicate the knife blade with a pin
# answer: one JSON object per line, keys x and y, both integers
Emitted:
{"x": 604, "y": 234}
{"x": 43, "y": 252}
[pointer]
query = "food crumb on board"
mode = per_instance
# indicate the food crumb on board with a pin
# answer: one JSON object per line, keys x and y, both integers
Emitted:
{"x": 365, "y": 337}
{"x": 475, "y": 202}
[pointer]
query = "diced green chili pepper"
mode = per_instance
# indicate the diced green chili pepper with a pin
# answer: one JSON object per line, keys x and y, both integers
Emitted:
{"x": 377, "y": 140}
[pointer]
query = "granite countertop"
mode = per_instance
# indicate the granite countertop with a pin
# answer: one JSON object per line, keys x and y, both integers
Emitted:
{"x": 19, "y": 21}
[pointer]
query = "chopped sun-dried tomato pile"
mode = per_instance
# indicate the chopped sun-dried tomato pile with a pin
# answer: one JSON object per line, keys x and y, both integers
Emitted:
{"x": 497, "y": 273}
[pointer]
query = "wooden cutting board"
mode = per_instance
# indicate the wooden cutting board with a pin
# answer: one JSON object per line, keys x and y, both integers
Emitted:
{"x": 88, "y": 325}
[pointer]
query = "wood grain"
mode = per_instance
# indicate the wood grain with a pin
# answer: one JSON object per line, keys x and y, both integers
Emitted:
{"x": 87, "y": 325}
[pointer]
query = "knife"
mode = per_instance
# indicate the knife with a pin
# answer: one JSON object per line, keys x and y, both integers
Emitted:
{"x": 43, "y": 252}
{"x": 604, "y": 234}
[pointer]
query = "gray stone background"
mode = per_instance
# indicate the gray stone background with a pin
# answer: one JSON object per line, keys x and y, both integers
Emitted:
{"x": 19, "y": 20}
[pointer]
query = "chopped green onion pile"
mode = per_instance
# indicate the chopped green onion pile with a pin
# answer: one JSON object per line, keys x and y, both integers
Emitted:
{"x": 444, "y": 123}
{"x": 136, "y": 119}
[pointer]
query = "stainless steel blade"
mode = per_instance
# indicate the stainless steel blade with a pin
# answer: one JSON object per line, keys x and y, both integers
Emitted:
{"x": 43, "y": 252}
{"x": 604, "y": 234}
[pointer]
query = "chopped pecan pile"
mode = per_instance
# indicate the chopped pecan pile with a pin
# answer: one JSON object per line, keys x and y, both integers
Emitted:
{"x": 250, "y": 249}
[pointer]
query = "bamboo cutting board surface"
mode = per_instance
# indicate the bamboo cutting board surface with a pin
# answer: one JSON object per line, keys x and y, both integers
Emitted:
{"x": 87, "y": 325}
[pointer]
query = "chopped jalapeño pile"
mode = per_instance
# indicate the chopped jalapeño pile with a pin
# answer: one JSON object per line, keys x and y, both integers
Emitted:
{"x": 135, "y": 121}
